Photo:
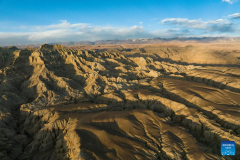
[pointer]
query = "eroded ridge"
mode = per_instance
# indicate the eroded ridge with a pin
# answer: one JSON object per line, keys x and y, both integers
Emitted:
{"x": 147, "y": 103}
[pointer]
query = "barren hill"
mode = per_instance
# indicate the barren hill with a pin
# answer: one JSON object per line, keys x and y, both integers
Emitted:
{"x": 153, "y": 102}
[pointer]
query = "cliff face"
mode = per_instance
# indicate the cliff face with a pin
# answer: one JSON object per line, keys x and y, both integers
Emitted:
{"x": 148, "y": 103}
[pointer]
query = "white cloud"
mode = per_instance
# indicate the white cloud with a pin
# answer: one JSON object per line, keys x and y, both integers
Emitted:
{"x": 199, "y": 24}
{"x": 219, "y": 25}
{"x": 228, "y": 1}
{"x": 63, "y": 25}
{"x": 235, "y": 16}
{"x": 140, "y": 22}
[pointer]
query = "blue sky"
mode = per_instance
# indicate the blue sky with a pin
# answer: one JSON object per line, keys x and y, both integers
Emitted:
{"x": 27, "y": 21}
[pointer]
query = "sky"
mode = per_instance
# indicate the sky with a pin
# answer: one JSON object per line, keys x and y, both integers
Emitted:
{"x": 35, "y": 22}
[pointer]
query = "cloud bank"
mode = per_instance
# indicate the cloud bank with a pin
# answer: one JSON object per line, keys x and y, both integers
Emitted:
{"x": 219, "y": 25}
{"x": 235, "y": 16}
{"x": 65, "y": 31}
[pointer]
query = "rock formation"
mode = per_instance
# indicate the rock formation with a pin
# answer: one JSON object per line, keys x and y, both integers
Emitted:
{"x": 146, "y": 103}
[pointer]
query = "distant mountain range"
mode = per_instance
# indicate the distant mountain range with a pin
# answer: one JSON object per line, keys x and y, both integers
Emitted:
{"x": 151, "y": 41}
{"x": 144, "y": 41}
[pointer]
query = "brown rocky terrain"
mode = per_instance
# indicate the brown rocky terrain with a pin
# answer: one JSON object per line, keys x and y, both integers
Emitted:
{"x": 149, "y": 102}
